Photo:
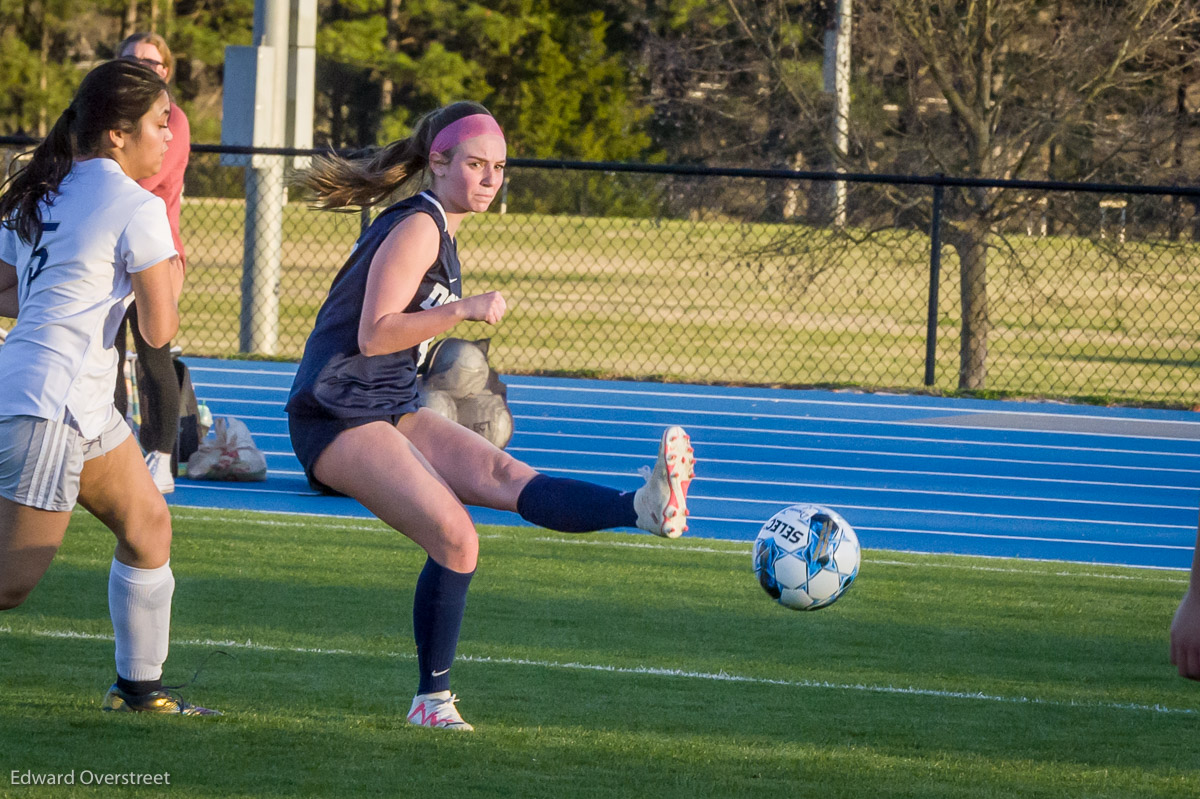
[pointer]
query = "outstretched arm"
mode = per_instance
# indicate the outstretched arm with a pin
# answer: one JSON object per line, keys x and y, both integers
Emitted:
{"x": 1185, "y": 628}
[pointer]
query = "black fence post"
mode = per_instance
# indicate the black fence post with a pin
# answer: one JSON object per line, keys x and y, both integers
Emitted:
{"x": 935, "y": 270}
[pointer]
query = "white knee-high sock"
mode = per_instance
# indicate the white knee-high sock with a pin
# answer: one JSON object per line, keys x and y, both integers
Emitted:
{"x": 139, "y": 601}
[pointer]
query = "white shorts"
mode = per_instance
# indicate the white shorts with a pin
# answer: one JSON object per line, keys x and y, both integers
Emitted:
{"x": 41, "y": 460}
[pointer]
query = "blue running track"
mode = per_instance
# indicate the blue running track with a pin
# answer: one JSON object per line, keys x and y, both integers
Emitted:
{"x": 912, "y": 473}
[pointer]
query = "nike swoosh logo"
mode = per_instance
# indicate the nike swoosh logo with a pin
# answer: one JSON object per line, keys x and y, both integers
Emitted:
{"x": 439, "y": 673}
{"x": 453, "y": 280}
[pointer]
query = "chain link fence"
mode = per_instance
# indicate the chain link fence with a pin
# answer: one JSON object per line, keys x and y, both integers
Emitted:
{"x": 741, "y": 276}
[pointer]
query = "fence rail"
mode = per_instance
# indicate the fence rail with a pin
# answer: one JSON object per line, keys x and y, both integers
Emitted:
{"x": 737, "y": 276}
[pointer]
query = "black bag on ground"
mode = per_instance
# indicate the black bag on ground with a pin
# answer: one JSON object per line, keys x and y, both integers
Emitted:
{"x": 190, "y": 430}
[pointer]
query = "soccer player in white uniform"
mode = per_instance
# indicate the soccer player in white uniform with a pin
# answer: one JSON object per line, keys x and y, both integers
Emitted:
{"x": 78, "y": 236}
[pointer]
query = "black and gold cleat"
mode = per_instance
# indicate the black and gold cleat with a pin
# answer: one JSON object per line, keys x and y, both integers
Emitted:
{"x": 160, "y": 701}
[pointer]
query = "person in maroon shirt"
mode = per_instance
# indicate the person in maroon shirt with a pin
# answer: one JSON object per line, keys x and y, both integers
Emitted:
{"x": 158, "y": 388}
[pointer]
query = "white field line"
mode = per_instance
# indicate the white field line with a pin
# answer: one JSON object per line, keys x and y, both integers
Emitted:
{"x": 736, "y": 550}
{"x": 745, "y": 553}
{"x": 653, "y": 671}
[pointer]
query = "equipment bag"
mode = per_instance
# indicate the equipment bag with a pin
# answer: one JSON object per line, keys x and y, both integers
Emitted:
{"x": 191, "y": 430}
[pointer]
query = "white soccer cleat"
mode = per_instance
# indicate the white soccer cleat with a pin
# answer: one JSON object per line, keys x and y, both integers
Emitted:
{"x": 159, "y": 464}
{"x": 437, "y": 710}
{"x": 661, "y": 504}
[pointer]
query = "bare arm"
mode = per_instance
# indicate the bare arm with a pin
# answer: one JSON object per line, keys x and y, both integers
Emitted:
{"x": 395, "y": 275}
{"x": 1185, "y": 628}
{"x": 8, "y": 290}
{"x": 157, "y": 293}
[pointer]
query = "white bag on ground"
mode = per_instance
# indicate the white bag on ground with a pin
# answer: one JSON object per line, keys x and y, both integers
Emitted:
{"x": 230, "y": 455}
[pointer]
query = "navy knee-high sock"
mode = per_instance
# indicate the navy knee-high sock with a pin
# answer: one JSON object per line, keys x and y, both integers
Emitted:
{"x": 438, "y": 606}
{"x": 573, "y": 506}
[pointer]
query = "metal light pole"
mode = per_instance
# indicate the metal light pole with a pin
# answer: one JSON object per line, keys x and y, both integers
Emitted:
{"x": 837, "y": 82}
{"x": 268, "y": 103}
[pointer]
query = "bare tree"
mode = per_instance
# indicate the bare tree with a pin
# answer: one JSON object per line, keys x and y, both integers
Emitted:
{"x": 738, "y": 81}
{"x": 131, "y": 18}
{"x": 1071, "y": 89}
{"x": 1019, "y": 77}
{"x": 392, "y": 44}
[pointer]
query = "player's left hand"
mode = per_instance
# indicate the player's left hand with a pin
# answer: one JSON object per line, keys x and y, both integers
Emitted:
{"x": 489, "y": 307}
{"x": 1185, "y": 637}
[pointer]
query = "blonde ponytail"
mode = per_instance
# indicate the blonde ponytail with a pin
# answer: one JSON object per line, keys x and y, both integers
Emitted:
{"x": 335, "y": 183}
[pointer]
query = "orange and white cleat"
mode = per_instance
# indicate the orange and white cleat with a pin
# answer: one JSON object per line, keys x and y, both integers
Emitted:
{"x": 661, "y": 504}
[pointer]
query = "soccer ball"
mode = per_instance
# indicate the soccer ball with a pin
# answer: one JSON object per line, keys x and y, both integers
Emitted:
{"x": 806, "y": 556}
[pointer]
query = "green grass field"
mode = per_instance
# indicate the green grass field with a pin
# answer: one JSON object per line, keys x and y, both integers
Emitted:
{"x": 607, "y": 665}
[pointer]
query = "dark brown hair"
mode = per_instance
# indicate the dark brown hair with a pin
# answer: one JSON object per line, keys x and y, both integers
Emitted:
{"x": 113, "y": 96}
{"x": 336, "y": 183}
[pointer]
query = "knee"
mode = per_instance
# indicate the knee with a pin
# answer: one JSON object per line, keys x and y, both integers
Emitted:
{"x": 510, "y": 476}
{"x": 148, "y": 535}
{"x": 508, "y": 470}
{"x": 459, "y": 544}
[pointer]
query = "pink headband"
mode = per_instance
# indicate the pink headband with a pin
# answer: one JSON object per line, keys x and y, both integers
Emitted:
{"x": 460, "y": 130}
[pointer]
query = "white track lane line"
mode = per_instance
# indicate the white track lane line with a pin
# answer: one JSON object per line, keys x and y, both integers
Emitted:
{"x": 791, "y": 448}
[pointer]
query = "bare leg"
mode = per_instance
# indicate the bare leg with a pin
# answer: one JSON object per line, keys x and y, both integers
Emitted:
{"x": 29, "y": 538}
{"x": 118, "y": 489}
{"x": 478, "y": 472}
{"x": 381, "y": 468}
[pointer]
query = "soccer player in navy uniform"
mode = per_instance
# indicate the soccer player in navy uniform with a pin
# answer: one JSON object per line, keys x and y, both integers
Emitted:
{"x": 78, "y": 237}
{"x": 354, "y": 414}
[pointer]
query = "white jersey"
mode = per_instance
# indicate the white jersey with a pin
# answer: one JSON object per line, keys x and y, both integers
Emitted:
{"x": 73, "y": 290}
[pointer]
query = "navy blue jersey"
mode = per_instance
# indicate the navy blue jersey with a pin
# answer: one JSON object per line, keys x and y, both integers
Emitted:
{"x": 335, "y": 378}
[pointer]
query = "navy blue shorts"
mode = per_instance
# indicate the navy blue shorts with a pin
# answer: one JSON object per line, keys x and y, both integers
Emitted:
{"x": 311, "y": 434}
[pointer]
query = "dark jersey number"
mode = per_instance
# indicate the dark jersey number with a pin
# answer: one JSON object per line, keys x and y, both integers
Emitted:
{"x": 40, "y": 255}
